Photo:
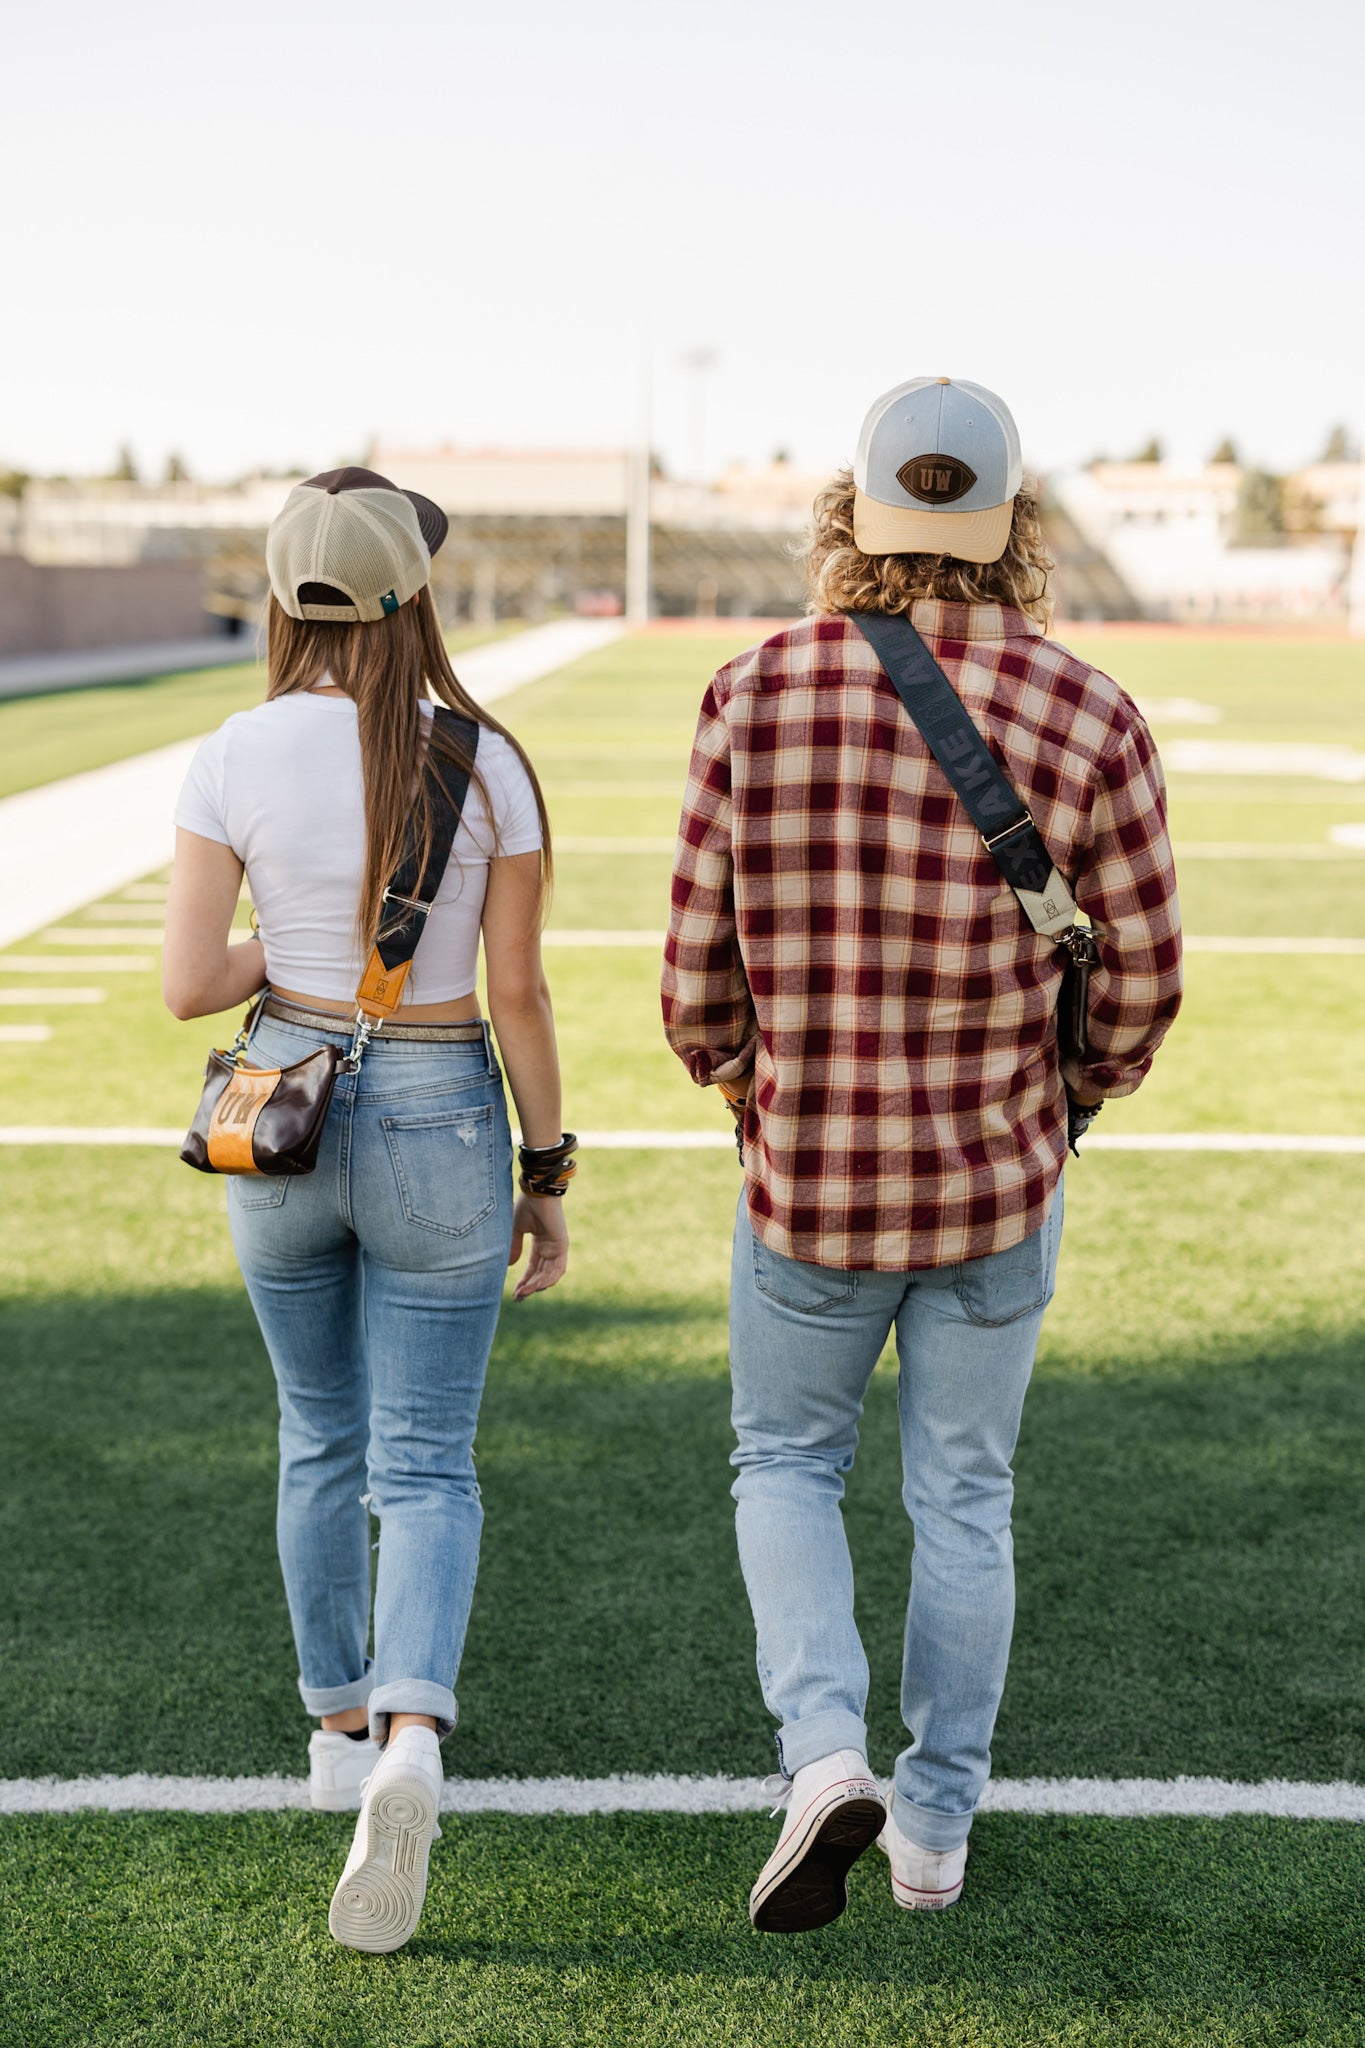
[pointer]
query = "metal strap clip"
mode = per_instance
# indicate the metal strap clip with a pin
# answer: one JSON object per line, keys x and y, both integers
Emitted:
{"x": 365, "y": 1028}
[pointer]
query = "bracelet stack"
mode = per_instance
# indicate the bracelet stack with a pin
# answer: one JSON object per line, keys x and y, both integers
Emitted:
{"x": 547, "y": 1169}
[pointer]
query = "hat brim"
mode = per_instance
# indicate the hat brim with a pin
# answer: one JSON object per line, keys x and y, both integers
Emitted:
{"x": 910, "y": 530}
{"x": 432, "y": 520}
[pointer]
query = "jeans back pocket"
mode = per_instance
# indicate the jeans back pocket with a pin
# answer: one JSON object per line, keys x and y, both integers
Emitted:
{"x": 444, "y": 1165}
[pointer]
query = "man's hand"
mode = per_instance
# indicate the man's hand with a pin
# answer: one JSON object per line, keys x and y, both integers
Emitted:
{"x": 1083, "y": 1092}
{"x": 541, "y": 1218}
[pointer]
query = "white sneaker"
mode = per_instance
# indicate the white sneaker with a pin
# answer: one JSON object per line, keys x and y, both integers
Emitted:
{"x": 834, "y": 1812}
{"x": 337, "y": 1770}
{"x": 378, "y": 1899}
{"x": 922, "y": 1880}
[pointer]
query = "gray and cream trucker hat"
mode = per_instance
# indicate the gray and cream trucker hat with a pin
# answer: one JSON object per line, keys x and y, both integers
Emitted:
{"x": 937, "y": 468}
{"x": 349, "y": 545}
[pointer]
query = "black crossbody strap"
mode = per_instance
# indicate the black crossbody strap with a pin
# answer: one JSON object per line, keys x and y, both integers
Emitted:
{"x": 413, "y": 888}
{"x": 991, "y": 801}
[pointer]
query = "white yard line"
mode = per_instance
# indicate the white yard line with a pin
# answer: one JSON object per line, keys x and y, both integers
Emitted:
{"x": 1194, "y": 942}
{"x": 25, "y": 1034}
{"x": 1342, "y": 852}
{"x": 1111, "y": 1798}
{"x": 722, "y": 1140}
{"x": 1296, "y": 944}
{"x": 69, "y": 842}
{"x": 75, "y": 963}
{"x": 28, "y": 998}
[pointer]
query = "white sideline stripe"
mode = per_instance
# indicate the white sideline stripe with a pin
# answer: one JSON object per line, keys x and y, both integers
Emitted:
{"x": 24, "y": 1034}
{"x": 1110, "y": 1798}
{"x": 723, "y": 1141}
{"x": 89, "y": 834}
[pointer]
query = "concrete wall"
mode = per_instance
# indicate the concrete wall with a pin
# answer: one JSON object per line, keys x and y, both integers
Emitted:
{"x": 44, "y": 608}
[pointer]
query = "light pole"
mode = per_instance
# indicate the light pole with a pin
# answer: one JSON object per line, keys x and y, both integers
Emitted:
{"x": 699, "y": 361}
{"x": 637, "y": 498}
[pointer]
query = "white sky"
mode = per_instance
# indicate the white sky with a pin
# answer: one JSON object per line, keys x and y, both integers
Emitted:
{"x": 263, "y": 232}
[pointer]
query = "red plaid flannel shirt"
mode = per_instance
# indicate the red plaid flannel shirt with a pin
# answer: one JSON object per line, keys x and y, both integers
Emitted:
{"x": 838, "y": 927}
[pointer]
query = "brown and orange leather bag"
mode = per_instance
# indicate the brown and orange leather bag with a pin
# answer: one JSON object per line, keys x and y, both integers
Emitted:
{"x": 270, "y": 1119}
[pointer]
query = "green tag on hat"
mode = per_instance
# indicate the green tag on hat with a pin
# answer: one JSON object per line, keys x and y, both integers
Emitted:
{"x": 390, "y": 600}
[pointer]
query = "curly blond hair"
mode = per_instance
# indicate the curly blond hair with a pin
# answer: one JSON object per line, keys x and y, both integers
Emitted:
{"x": 841, "y": 578}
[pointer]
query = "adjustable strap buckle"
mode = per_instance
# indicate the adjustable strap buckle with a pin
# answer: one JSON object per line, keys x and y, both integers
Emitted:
{"x": 408, "y": 902}
{"x": 1024, "y": 819}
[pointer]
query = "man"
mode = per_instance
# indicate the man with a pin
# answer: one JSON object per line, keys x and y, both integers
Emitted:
{"x": 847, "y": 963}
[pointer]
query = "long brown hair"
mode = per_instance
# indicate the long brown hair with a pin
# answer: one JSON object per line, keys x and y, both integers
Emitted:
{"x": 387, "y": 667}
{"x": 841, "y": 578}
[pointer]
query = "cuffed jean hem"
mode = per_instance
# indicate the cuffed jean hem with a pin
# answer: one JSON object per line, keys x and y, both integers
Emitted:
{"x": 335, "y": 1699}
{"x": 412, "y": 1696}
{"x": 804, "y": 1742}
{"x": 928, "y": 1830}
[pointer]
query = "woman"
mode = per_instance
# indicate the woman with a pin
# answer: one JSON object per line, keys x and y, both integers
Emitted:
{"x": 377, "y": 1278}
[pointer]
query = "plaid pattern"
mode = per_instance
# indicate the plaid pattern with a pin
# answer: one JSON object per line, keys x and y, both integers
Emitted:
{"x": 838, "y": 926}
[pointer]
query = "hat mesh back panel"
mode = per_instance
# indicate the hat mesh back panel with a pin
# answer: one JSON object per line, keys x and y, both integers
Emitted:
{"x": 365, "y": 542}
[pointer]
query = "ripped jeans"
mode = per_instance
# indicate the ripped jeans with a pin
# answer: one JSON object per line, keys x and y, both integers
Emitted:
{"x": 377, "y": 1281}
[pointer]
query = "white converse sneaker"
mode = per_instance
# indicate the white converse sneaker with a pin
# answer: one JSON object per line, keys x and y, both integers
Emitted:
{"x": 834, "y": 1812}
{"x": 378, "y": 1899}
{"x": 337, "y": 1770}
{"x": 922, "y": 1880}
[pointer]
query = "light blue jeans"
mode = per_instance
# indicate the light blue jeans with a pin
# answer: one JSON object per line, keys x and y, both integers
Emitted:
{"x": 377, "y": 1281}
{"x": 804, "y": 1341}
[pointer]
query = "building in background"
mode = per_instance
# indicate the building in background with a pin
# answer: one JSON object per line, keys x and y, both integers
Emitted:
{"x": 94, "y": 564}
{"x": 535, "y": 532}
{"x": 1213, "y": 542}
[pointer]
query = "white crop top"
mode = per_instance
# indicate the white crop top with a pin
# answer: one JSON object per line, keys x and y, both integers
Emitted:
{"x": 282, "y": 786}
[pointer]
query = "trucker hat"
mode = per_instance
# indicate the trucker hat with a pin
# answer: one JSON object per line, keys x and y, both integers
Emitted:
{"x": 937, "y": 468}
{"x": 349, "y": 545}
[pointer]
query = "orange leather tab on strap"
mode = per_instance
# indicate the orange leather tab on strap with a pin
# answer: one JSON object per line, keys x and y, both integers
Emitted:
{"x": 381, "y": 987}
{"x": 233, "y": 1122}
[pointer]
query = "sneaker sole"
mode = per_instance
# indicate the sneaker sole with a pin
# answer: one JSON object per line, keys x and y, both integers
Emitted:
{"x": 810, "y": 1888}
{"x": 377, "y": 1907}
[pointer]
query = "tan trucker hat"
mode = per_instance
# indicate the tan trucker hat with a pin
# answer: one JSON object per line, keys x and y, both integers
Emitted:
{"x": 937, "y": 468}
{"x": 350, "y": 546}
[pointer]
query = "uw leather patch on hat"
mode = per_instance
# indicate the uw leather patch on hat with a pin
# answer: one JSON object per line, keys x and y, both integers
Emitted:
{"x": 936, "y": 472}
{"x": 349, "y": 546}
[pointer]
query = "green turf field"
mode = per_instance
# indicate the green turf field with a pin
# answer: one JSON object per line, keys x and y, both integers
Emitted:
{"x": 1187, "y": 1523}
{"x": 42, "y": 737}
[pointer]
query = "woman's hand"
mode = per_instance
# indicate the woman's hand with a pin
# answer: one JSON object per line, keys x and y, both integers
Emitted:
{"x": 541, "y": 1218}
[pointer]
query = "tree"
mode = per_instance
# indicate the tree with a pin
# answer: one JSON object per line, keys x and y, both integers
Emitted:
{"x": 12, "y": 483}
{"x": 1151, "y": 451}
{"x": 1226, "y": 451}
{"x": 176, "y": 472}
{"x": 1260, "y": 508}
{"x": 1337, "y": 447}
{"x": 125, "y": 468}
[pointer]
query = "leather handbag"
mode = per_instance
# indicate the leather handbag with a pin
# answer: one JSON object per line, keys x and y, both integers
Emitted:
{"x": 270, "y": 1119}
{"x": 1001, "y": 817}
